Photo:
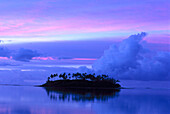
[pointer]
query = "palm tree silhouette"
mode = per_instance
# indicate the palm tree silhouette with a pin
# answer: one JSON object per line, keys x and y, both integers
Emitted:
{"x": 48, "y": 79}
{"x": 52, "y": 76}
{"x": 82, "y": 76}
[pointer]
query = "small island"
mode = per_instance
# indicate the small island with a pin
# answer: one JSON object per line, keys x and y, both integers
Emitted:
{"x": 81, "y": 81}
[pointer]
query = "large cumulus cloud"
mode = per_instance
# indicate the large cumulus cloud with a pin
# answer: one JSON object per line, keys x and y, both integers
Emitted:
{"x": 130, "y": 60}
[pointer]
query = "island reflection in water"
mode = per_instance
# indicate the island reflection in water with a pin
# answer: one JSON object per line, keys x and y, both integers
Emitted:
{"x": 79, "y": 94}
{"x": 35, "y": 100}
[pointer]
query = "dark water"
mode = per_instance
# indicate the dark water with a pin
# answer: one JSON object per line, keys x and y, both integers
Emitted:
{"x": 36, "y": 100}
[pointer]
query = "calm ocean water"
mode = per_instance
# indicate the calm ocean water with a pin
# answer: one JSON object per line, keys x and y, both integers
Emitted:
{"x": 37, "y": 100}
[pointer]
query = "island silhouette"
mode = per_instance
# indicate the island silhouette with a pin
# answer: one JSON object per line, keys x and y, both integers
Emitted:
{"x": 81, "y": 80}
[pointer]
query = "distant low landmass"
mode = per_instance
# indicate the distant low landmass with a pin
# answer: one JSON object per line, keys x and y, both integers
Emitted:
{"x": 81, "y": 80}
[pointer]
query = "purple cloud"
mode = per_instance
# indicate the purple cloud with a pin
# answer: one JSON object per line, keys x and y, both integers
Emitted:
{"x": 25, "y": 55}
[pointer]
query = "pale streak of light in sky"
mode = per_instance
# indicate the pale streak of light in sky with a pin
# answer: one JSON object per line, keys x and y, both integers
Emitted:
{"x": 66, "y": 37}
{"x": 66, "y": 66}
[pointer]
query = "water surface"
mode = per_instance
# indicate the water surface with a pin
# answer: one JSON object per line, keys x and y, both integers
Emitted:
{"x": 37, "y": 100}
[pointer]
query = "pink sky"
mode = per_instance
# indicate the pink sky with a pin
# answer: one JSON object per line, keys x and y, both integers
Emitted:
{"x": 82, "y": 20}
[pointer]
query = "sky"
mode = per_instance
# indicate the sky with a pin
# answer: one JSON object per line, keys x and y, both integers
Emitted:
{"x": 45, "y": 33}
{"x": 58, "y": 20}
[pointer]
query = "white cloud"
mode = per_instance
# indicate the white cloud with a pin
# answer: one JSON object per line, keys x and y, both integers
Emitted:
{"x": 130, "y": 60}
